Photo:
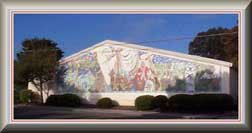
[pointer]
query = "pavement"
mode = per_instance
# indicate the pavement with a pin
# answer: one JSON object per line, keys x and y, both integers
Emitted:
{"x": 52, "y": 112}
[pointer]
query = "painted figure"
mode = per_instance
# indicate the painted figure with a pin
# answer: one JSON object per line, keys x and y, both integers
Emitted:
{"x": 122, "y": 69}
{"x": 141, "y": 76}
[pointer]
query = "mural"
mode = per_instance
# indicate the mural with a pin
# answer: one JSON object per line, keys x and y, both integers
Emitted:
{"x": 114, "y": 68}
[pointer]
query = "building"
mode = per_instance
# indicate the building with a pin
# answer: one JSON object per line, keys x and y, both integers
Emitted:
{"x": 125, "y": 71}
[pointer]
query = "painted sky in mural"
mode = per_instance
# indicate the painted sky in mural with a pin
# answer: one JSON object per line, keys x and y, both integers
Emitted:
{"x": 115, "y": 68}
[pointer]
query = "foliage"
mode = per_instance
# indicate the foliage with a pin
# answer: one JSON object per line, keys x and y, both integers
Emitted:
{"x": 180, "y": 102}
{"x": 68, "y": 100}
{"x": 104, "y": 103}
{"x": 20, "y": 83}
{"x": 231, "y": 47}
{"x": 36, "y": 98}
{"x": 200, "y": 102}
{"x": 16, "y": 97}
{"x": 145, "y": 102}
{"x": 37, "y": 62}
{"x": 28, "y": 96}
{"x": 214, "y": 102}
{"x": 222, "y": 47}
{"x": 160, "y": 101}
{"x": 204, "y": 84}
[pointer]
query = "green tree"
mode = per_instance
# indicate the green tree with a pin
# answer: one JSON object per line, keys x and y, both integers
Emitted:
{"x": 222, "y": 47}
{"x": 231, "y": 47}
{"x": 20, "y": 83}
{"x": 38, "y": 62}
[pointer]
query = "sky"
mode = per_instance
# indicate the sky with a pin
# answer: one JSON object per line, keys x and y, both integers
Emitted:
{"x": 75, "y": 32}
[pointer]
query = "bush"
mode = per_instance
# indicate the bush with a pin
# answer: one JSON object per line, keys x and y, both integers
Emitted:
{"x": 104, "y": 103}
{"x": 145, "y": 102}
{"x": 180, "y": 102}
{"x": 16, "y": 97}
{"x": 28, "y": 96}
{"x": 160, "y": 101}
{"x": 200, "y": 102}
{"x": 68, "y": 100}
{"x": 36, "y": 98}
{"x": 214, "y": 102}
{"x": 53, "y": 100}
{"x": 71, "y": 100}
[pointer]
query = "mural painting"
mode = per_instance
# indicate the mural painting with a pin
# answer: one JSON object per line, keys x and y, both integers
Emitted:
{"x": 118, "y": 69}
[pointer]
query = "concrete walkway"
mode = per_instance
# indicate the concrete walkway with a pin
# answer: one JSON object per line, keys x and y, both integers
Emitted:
{"x": 51, "y": 112}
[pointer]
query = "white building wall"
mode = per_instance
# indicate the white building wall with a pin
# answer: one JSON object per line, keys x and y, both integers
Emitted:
{"x": 225, "y": 80}
{"x": 83, "y": 83}
{"x": 46, "y": 93}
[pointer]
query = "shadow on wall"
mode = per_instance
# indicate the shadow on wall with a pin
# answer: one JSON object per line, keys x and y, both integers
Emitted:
{"x": 203, "y": 81}
{"x": 115, "y": 103}
{"x": 234, "y": 84}
{"x": 92, "y": 98}
{"x": 207, "y": 81}
{"x": 180, "y": 86}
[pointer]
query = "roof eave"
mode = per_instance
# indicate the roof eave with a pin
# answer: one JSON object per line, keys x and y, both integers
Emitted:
{"x": 131, "y": 45}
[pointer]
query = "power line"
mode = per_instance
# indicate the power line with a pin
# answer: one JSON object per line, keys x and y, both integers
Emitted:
{"x": 179, "y": 38}
{"x": 184, "y": 37}
{"x": 170, "y": 39}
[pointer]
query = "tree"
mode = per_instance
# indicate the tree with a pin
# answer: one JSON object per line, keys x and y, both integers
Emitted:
{"x": 19, "y": 81}
{"x": 222, "y": 47}
{"x": 38, "y": 62}
{"x": 231, "y": 47}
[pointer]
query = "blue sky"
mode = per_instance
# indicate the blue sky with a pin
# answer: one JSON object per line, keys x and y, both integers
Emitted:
{"x": 74, "y": 32}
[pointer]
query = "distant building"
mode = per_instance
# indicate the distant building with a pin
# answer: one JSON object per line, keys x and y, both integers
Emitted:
{"x": 125, "y": 71}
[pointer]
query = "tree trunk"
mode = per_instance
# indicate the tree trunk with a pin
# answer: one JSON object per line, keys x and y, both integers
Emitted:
{"x": 41, "y": 92}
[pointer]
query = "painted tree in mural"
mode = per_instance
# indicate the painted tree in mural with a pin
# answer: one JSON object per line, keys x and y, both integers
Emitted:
{"x": 221, "y": 47}
{"x": 37, "y": 62}
{"x": 114, "y": 68}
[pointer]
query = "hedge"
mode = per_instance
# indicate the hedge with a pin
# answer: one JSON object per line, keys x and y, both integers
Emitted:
{"x": 160, "y": 101}
{"x": 68, "y": 100}
{"x": 145, "y": 102}
{"x": 200, "y": 102}
{"x": 104, "y": 103}
{"x": 16, "y": 97}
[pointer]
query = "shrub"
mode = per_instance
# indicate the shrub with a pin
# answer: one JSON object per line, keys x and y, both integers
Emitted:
{"x": 68, "y": 100}
{"x": 53, "y": 100}
{"x": 145, "y": 102}
{"x": 35, "y": 98}
{"x": 104, "y": 103}
{"x": 71, "y": 100}
{"x": 160, "y": 101}
{"x": 200, "y": 102}
{"x": 16, "y": 97}
{"x": 27, "y": 96}
{"x": 214, "y": 102}
{"x": 180, "y": 102}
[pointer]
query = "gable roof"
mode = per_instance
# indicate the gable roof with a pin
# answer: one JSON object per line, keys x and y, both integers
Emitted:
{"x": 145, "y": 48}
